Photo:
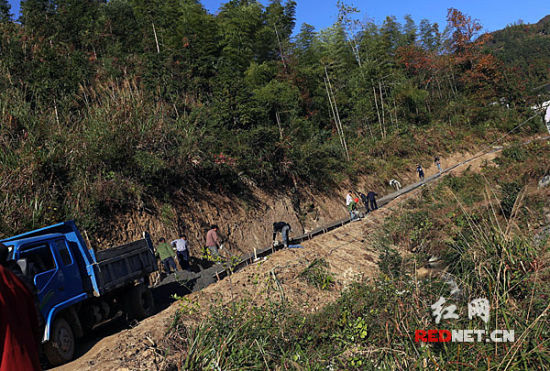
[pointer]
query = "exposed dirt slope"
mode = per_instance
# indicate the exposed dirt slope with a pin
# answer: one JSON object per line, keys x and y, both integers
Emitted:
{"x": 245, "y": 222}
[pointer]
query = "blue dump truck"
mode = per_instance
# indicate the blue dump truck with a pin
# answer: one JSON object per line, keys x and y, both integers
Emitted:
{"x": 79, "y": 289}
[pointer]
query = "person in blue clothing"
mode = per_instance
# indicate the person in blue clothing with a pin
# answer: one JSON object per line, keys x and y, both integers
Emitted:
{"x": 437, "y": 161}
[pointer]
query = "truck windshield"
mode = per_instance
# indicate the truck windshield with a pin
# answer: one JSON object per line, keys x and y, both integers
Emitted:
{"x": 39, "y": 259}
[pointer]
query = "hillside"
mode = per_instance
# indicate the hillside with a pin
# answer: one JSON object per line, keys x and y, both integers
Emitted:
{"x": 131, "y": 116}
{"x": 168, "y": 118}
{"x": 329, "y": 303}
{"x": 525, "y": 47}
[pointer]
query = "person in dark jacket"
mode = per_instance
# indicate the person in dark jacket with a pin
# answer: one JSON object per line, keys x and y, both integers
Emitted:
{"x": 371, "y": 196}
{"x": 19, "y": 324}
{"x": 365, "y": 201}
{"x": 420, "y": 171}
{"x": 284, "y": 228}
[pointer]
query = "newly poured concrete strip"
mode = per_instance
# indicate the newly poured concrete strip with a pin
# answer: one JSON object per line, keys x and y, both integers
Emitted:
{"x": 248, "y": 259}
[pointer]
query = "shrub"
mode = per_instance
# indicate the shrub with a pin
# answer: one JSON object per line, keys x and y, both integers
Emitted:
{"x": 390, "y": 262}
{"x": 515, "y": 153}
{"x": 318, "y": 275}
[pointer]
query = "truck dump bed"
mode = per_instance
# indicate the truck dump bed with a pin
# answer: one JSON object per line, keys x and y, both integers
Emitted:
{"x": 117, "y": 266}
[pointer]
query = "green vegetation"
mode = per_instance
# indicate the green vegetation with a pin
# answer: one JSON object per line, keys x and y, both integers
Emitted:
{"x": 526, "y": 48}
{"x": 372, "y": 325}
{"x": 113, "y": 106}
{"x": 318, "y": 275}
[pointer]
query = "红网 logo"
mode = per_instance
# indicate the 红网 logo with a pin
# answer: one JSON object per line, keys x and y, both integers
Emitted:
{"x": 476, "y": 308}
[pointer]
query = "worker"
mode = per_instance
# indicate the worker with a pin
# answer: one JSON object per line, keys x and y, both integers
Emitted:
{"x": 19, "y": 327}
{"x": 213, "y": 242}
{"x": 371, "y": 196}
{"x": 395, "y": 184}
{"x": 181, "y": 245}
{"x": 420, "y": 171}
{"x": 350, "y": 204}
{"x": 438, "y": 163}
{"x": 166, "y": 255}
{"x": 284, "y": 228}
{"x": 365, "y": 201}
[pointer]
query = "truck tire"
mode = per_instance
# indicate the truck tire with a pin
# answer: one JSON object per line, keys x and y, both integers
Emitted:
{"x": 139, "y": 302}
{"x": 60, "y": 348}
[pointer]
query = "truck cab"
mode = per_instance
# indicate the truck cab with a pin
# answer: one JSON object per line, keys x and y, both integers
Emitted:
{"x": 54, "y": 271}
{"x": 75, "y": 290}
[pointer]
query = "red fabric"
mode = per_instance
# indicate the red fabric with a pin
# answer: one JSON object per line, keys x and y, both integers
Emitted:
{"x": 18, "y": 322}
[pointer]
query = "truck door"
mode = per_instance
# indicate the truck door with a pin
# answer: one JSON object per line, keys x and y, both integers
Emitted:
{"x": 68, "y": 267}
{"x": 54, "y": 272}
{"x": 42, "y": 269}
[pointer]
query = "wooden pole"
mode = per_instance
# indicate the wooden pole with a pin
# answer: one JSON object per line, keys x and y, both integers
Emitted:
{"x": 382, "y": 106}
{"x": 279, "y": 125}
{"x": 377, "y": 110}
{"x": 280, "y": 47}
{"x": 334, "y": 115}
{"x": 337, "y": 115}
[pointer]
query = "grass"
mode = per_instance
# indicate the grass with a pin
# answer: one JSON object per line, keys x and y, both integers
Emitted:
{"x": 317, "y": 274}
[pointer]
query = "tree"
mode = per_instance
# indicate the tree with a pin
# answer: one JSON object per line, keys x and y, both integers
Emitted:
{"x": 37, "y": 17}
{"x": 305, "y": 38}
{"x": 464, "y": 29}
{"x": 410, "y": 30}
{"x": 391, "y": 33}
{"x": 5, "y": 8}
{"x": 75, "y": 22}
{"x": 430, "y": 37}
{"x": 280, "y": 19}
{"x": 121, "y": 32}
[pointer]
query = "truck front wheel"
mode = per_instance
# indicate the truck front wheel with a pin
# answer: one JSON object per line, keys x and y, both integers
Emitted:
{"x": 60, "y": 348}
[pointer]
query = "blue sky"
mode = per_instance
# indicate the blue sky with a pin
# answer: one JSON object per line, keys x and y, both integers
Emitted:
{"x": 492, "y": 14}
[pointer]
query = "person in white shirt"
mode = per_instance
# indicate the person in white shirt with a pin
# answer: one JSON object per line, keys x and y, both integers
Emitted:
{"x": 181, "y": 245}
{"x": 349, "y": 198}
{"x": 395, "y": 184}
{"x": 350, "y": 203}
